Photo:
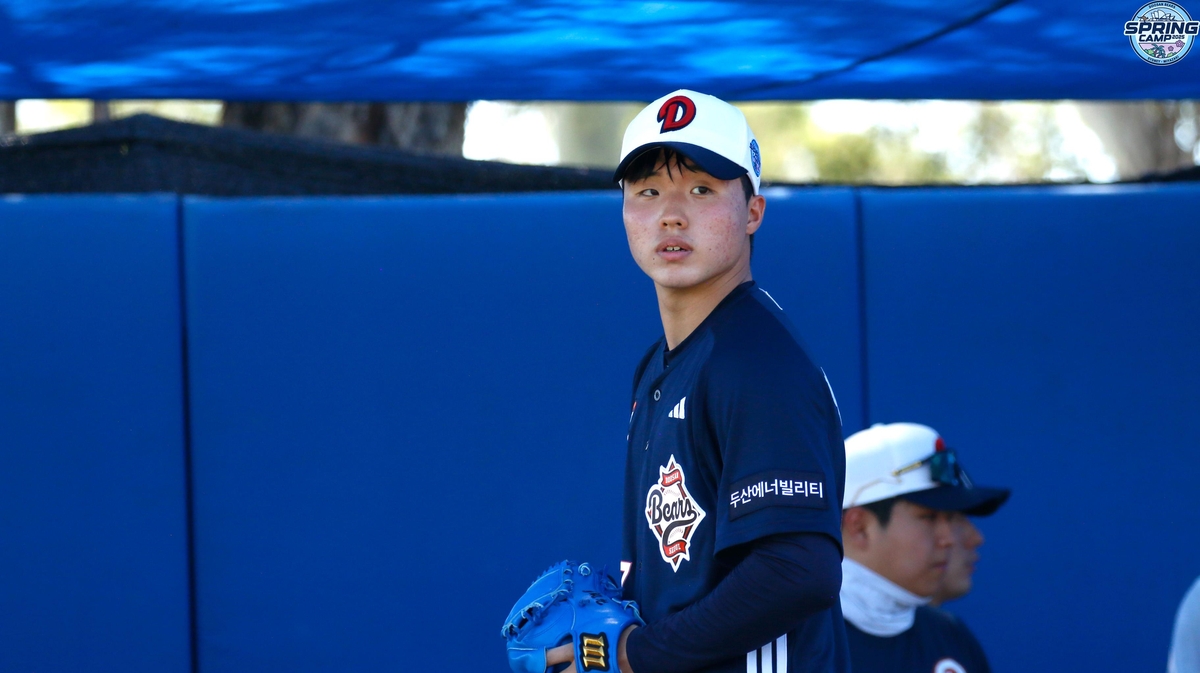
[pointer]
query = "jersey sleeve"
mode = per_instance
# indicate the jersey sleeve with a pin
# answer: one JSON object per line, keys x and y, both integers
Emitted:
{"x": 783, "y": 581}
{"x": 775, "y": 424}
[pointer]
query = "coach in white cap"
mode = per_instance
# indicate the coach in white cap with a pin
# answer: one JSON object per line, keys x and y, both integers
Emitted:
{"x": 904, "y": 491}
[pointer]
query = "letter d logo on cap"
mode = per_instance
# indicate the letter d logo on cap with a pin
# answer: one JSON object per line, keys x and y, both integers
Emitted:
{"x": 676, "y": 113}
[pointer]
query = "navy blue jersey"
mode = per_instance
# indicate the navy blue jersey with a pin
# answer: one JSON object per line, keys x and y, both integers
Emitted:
{"x": 938, "y": 642}
{"x": 734, "y": 435}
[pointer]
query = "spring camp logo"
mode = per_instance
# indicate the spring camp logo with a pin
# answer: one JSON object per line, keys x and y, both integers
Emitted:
{"x": 1161, "y": 32}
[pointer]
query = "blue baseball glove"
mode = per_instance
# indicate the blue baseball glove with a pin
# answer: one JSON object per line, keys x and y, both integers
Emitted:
{"x": 569, "y": 602}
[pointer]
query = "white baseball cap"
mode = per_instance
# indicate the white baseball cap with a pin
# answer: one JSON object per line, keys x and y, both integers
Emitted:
{"x": 912, "y": 460}
{"x": 705, "y": 129}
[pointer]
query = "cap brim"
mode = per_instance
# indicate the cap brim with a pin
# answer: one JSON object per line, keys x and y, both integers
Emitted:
{"x": 709, "y": 161}
{"x": 978, "y": 501}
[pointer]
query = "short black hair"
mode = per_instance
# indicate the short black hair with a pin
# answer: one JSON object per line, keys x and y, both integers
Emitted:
{"x": 645, "y": 164}
{"x": 882, "y": 509}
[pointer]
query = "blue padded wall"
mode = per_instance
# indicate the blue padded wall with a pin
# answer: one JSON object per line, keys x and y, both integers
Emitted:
{"x": 94, "y": 548}
{"x": 806, "y": 256}
{"x": 1051, "y": 335}
{"x": 403, "y": 409}
{"x": 395, "y": 396}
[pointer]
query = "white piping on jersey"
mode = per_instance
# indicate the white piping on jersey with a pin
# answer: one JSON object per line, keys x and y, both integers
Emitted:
{"x": 774, "y": 657}
{"x": 835, "y": 404}
{"x": 677, "y": 412}
{"x": 772, "y": 299}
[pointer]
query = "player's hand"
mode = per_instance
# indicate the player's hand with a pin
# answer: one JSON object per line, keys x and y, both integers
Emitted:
{"x": 564, "y": 653}
{"x": 623, "y": 659}
{"x": 561, "y": 655}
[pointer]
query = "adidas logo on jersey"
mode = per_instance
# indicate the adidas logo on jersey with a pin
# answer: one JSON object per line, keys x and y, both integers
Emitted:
{"x": 677, "y": 412}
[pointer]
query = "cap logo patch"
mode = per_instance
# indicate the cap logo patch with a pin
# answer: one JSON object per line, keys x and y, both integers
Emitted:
{"x": 756, "y": 162}
{"x": 676, "y": 113}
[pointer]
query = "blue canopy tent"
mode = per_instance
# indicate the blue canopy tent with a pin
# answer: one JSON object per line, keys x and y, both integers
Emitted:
{"x": 586, "y": 50}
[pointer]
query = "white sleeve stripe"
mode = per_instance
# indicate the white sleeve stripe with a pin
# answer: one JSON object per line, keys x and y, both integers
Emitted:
{"x": 774, "y": 656}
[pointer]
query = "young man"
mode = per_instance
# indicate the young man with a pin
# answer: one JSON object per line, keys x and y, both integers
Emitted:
{"x": 904, "y": 490}
{"x": 965, "y": 540}
{"x": 735, "y": 461}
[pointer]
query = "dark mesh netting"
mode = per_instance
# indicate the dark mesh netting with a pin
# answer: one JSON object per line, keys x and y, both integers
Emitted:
{"x": 144, "y": 153}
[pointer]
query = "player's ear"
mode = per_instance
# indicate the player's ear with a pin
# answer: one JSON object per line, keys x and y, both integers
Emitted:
{"x": 855, "y": 522}
{"x": 755, "y": 209}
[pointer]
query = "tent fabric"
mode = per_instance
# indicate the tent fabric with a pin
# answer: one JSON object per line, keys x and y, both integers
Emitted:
{"x": 148, "y": 154}
{"x": 456, "y": 50}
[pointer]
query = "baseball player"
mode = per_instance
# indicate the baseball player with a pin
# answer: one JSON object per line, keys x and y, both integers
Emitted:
{"x": 904, "y": 488}
{"x": 965, "y": 540}
{"x": 735, "y": 461}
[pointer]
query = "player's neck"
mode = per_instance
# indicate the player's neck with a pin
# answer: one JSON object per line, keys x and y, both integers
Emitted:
{"x": 683, "y": 309}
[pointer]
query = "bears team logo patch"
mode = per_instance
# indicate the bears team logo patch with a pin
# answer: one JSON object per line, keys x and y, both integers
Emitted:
{"x": 673, "y": 514}
{"x": 676, "y": 113}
